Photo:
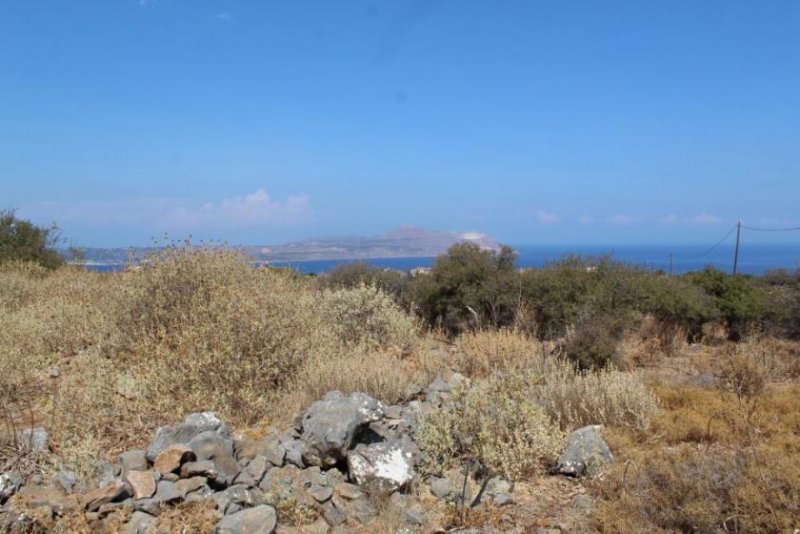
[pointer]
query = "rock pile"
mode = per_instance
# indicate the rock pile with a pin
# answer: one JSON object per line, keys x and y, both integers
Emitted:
{"x": 324, "y": 471}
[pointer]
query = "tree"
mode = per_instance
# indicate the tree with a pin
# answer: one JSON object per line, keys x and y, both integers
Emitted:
{"x": 470, "y": 286}
{"x": 21, "y": 240}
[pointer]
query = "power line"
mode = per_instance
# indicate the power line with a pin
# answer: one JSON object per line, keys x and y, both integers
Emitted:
{"x": 791, "y": 229}
{"x": 721, "y": 241}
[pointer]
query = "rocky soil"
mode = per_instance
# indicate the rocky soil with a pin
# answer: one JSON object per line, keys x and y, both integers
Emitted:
{"x": 346, "y": 465}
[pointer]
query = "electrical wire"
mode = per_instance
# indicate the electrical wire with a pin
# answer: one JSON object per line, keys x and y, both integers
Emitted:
{"x": 792, "y": 229}
{"x": 721, "y": 241}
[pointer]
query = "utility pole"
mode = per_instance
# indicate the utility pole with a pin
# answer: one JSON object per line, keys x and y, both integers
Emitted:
{"x": 736, "y": 250}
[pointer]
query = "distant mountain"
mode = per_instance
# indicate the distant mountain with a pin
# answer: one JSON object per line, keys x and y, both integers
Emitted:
{"x": 403, "y": 242}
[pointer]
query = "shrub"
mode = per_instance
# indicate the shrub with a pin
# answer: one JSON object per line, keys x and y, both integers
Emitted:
{"x": 217, "y": 333}
{"x": 737, "y": 298}
{"x": 487, "y": 352}
{"x": 358, "y": 273}
{"x": 495, "y": 424}
{"x": 367, "y": 315}
{"x": 21, "y": 240}
{"x": 609, "y": 397}
{"x": 468, "y": 287}
{"x": 592, "y": 344}
{"x": 677, "y": 306}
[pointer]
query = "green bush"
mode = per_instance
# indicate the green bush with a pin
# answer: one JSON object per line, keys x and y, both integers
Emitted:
{"x": 677, "y": 306}
{"x": 23, "y": 241}
{"x": 468, "y": 287}
{"x": 738, "y": 299}
{"x": 355, "y": 274}
{"x": 592, "y": 344}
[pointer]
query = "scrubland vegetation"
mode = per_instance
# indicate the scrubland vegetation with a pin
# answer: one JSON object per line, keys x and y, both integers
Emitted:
{"x": 695, "y": 378}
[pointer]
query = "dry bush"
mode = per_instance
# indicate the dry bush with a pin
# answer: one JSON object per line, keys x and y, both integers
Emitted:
{"x": 607, "y": 396}
{"x": 186, "y": 518}
{"x": 664, "y": 337}
{"x": 382, "y": 374}
{"x": 367, "y": 316}
{"x": 208, "y": 331}
{"x": 489, "y": 351}
{"x": 494, "y": 423}
{"x": 689, "y": 490}
{"x": 710, "y": 464}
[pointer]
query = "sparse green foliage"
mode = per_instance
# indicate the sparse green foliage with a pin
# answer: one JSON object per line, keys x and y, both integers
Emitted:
{"x": 496, "y": 424}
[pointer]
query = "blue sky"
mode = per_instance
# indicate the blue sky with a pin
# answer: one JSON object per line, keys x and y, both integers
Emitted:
{"x": 265, "y": 121}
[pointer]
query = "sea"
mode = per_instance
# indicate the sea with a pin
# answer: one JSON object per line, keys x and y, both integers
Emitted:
{"x": 754, "y": 259}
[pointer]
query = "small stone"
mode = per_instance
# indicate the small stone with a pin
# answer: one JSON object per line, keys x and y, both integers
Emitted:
{"x": 203, "y": 468}
{"x": 441, "y": 487}
{"x": 349, "y": 491}
{"x": 188, "y": 485}
{"x": 94, "y": 499}
{"x": 172, "y": 477}
{"x": 439, "y": 385}
{"x": 34, "y": 439}
{"x": 135, "y": 460}
{"x": 501, "y": 499}
{"x": 149, "y": 506}
{"x": 54, "y": 372}
{"x": 498, "y": 485}
{"x": 166, "y": 492}
{"x": 140, "y": 523}
{"x": 582, "y": 502}
{"x": 171, "y": 458}
{"x": 254, "y": 472}
{"x": 585, "y": 454}
{"x": 293, "y": 452}
{"x": 259, "y": 520}
{"x": 413, "y": 517}
{"x": 362, "y": 511}
{"x": 143, "y": 483}
{"x": 333, "y": 514}
{"x": 193, "y": 425}
{"x": 67, "y": 480}
{"x": 320, "y": 493}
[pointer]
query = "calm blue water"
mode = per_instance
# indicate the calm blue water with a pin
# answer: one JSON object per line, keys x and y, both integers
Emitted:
{"x": 753, "y": 259}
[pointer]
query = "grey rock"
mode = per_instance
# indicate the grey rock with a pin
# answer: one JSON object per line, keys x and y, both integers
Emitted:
{"x": 139, "y": 523}
{"x": 503, "y": 498}
{"x": 254, "y": 472}
{"x": 166, "y": 492}
{"x": 362, "y": 511}
{"x": 184, "y": 431}
{"x": 148, "y": 506}
{"x": 259, "y": 520}
{"x": 235, "y": 497}
{"x": 202, "y": 468}
{"x": 320, "y": 493}
{"x": 349, "y": 491}
{"x": 330, "y": 425}
{"x": 67, "y": 480}
{"x": 585, "y": 454}
{"x": 382, "y": 468}
{"x": 210, "y": 445}
{"x": 582, "y": 502}
{"x": 294, "y": 450}
{"x": 34, "y": 439}
{"x": 439, "y": 385}
{"x": 442, "y": 487}
{"x": 135, "y": 460}
{"x": 413, "y": 516}
{"x": 335, "y": 515}
{"x": 55, "y": 372}
{"x": 9, "y": 485}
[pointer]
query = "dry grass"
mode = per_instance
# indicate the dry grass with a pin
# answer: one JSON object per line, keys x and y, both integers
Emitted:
{"x": 489, "y": 351}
